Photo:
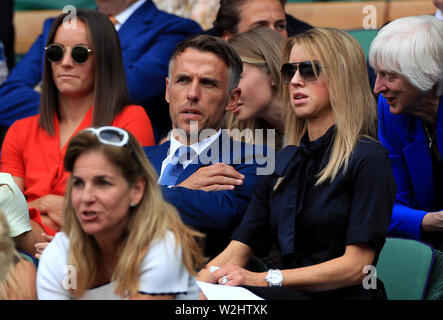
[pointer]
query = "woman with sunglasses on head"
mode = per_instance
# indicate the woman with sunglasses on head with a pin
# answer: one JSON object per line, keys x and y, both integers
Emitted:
{"x": 328, "y": 203}
{"x": 260, "y": 104}
{"x": 83, "y": 85}
{"x": 119, "y": 239}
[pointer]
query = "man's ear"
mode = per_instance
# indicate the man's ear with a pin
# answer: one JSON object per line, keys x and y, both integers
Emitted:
{"x": 137, "y": 190}
{"x": 233, "y": 99}
{"x": 227, "y": 35}
{"x": 167, "y": 90}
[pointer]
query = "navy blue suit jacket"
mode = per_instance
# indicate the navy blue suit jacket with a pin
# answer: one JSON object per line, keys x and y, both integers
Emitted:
{"x": 405, "y": 138}
{"x": 147, "y": 39}
{"x": 216, "y": 213}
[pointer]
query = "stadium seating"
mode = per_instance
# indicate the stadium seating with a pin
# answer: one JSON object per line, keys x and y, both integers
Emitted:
{"x": 29, "y": 16}
{"x": 50, "y": 4}
{"x": 347, "y": 15}
{"x": 435, "y": 287}
{"x": 405, "y": 267}
{"x": 357, "y": 16}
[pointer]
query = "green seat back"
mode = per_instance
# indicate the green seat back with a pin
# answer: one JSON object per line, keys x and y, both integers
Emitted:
{"x": 435, "y": 288}
{"x": 51, "y": 4}
{"x": 364, "y": 38}
{"x": 405, "y": 266}
{"x": 300, "y": 1}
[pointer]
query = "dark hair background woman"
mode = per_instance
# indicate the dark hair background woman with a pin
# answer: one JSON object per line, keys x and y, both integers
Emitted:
{"x": 83, "y": 85}
{"x": 111, "y": 93}
{"x": 237, "y": 16}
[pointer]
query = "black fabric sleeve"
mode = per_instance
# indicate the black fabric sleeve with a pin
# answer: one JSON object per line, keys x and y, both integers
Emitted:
{"x": 373, "y": 198}
{"x": 254, "y": 228}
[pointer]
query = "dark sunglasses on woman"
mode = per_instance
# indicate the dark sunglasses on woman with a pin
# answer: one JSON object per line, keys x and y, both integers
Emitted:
{"x": 309, "y": 70}
{"x": 55, "y": 52}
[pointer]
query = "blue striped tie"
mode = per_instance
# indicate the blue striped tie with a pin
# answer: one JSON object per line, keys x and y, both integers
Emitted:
{"x": 174, "y": 168}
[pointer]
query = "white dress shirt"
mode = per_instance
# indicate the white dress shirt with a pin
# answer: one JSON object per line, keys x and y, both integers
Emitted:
{"x": 197, "y": 147}
{"x": 125, "y": 14}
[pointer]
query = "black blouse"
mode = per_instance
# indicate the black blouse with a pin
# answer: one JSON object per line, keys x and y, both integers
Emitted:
{"x": 436, "y": 238}
{"x": 312, "y": 224}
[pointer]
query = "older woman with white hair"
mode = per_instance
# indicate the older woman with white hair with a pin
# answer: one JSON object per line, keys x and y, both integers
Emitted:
{"x": 407, "y": 55}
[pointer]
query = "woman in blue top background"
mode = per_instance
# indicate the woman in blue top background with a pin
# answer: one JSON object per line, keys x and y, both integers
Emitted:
{"x": 407, "y": 55}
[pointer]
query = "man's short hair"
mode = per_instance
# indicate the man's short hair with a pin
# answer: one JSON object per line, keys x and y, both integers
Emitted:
{"x": 217, "y": 46}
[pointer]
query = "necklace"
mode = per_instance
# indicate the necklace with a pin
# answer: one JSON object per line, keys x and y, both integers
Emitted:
{"x": 430, "y": 139}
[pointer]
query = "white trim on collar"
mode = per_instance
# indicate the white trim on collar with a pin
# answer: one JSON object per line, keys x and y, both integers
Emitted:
{"x": 198, "y": 147}
{"x": 125, "y": 14}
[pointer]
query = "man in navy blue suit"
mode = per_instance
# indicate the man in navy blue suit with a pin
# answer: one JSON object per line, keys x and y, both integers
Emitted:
{"x": 207, "y": 176}
{"x": 148, "y": 37}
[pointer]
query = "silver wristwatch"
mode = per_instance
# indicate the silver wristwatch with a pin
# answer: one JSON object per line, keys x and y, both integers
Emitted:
{"x": 274, "y": 278}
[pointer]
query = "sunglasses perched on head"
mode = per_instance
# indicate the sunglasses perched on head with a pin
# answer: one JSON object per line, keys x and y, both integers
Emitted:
{"x": 309, "y": 70}
{"x": 55, "y": 52}
{"x": 111, "y": 135}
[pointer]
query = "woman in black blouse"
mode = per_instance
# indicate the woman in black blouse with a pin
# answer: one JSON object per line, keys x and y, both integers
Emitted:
{"x": 328, "y": 204}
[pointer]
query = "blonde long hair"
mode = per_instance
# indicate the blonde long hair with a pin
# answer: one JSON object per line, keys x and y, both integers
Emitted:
{"x": 8, "y": 279}
{"x": 260, "y": 47}
{"x": 148, "y": 221}
{"x": 352, "y": 102}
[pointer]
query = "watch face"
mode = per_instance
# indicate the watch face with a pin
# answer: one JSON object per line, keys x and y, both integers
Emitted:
{"x": 274, "y": 278}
